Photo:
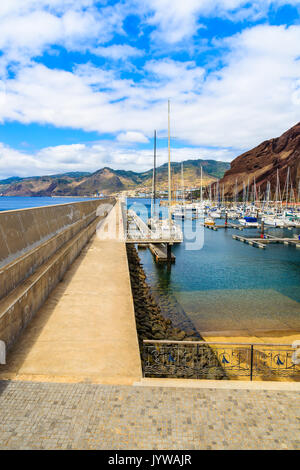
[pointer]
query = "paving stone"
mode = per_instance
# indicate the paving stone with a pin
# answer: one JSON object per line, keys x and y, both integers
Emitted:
{"x": 86, "y": 416}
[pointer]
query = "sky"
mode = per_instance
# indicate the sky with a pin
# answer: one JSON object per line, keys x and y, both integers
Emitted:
{"x": 84, "y": 83}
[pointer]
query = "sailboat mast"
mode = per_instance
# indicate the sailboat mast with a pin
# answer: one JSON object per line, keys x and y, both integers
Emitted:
{"x": 154, "y": 169}
{"x": 276, "y": 191}
{"x": 287, "y": 186}
{"x": 182, "y": 184}
{"x": 169, "y": 161}
{"x": 201, "y": 194}
{"x": 154, "y": 176}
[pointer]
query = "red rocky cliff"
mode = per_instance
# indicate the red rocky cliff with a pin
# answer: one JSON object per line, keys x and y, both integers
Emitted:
{"x": 263, "y": 161}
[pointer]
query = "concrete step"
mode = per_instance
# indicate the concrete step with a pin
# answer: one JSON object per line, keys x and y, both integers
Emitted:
{"x": 218, "y": 384}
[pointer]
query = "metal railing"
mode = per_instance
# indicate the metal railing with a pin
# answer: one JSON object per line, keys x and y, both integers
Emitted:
{"x": 138, "y": 231}
{"x": 212, "y": 360}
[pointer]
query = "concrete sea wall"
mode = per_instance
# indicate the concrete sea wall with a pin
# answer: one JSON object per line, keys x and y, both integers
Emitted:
{"x": 22, "y": 230}
{"x": 36, "y": 248}
{"x": 29, "y": 237}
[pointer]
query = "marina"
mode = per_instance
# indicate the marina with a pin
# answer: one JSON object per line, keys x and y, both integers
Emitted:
{"x": 217, "y": 286}
{"x": 228, "y": 290}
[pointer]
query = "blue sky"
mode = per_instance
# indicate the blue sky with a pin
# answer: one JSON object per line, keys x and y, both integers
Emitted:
{"x": 83, "y": 84}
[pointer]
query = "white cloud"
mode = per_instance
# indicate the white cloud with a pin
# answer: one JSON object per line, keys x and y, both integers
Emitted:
{"x": 31, "y": 31}
{"x": 117, "y": 51}
{"x": 132, "y": 137}
{"x": 29, "y": 27}
{"x": 248, "y": 100}
{"x": 252, "y": 97}
{"x": 81, "y": 157}
{"x": 96, "y": 100}
{"x": 177, "y": 20}
{"x": 173, "y": 79}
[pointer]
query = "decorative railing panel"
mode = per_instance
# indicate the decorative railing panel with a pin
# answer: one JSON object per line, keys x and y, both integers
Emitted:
{"x": 275, "y": 362}
{"x": 191, "y": 359}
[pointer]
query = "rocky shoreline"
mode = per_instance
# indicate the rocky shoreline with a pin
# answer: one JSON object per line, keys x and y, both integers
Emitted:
{"x": 152, "y": 325}
{"x": 150, "y": 322}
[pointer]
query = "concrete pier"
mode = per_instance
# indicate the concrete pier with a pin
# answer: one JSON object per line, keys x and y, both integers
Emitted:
{"x": 85, "y": 331}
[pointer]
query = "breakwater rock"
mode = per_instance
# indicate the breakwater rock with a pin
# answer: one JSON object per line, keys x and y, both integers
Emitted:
{"x": 150, "y": 322}
{"x": 152, "y": 325}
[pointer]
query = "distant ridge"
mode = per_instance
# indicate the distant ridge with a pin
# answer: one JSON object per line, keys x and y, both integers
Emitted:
{"x": 109, "y": 181}
{"x": 10, "y": 180}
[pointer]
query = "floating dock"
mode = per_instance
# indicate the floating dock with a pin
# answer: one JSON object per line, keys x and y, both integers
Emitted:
{"x": 262, "y": 242}
{"x": 160, "y": 253}
{"x": 256, "y": 242}
{"x": 230, "y": 225}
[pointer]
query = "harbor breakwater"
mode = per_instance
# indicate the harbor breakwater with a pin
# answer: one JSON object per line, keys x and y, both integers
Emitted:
{"x": 37, "y": 247}
{"x": 151, "y": 324}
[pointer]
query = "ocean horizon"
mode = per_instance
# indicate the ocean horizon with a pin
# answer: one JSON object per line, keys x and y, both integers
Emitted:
{"x": 8, "y": 203}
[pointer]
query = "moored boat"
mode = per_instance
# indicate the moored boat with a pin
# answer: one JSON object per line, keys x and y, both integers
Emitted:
{"x": 209, "y": 221}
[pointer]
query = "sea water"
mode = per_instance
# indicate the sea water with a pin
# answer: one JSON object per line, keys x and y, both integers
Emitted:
{"x": 228, "y": 287}
{"x": 8, "y": 203}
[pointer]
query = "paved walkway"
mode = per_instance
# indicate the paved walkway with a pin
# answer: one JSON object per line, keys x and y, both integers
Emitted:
{"x": 86, "y": 416}
{"x": 86, "y": 331}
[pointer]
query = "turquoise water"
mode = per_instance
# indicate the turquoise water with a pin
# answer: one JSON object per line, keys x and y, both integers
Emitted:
{"x": 16, "y": 202}
{"x": 228, "y": 286}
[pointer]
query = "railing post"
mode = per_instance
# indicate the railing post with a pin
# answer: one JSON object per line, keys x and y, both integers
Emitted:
{"x": 251, "y": 363}
{"x": 169, "y": 253}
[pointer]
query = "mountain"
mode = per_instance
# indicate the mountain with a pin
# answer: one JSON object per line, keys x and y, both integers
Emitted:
{"x": 109, "y": 181}
{"x": 10, "y": 180}
{"x": 39, "y": 185}
{"x": 212, "y": 170}
{"x": 264, "y": 161}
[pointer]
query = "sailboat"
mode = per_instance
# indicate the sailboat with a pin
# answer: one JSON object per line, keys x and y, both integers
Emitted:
{"x": 164, "y": 229}
{"x": 168, "y": 226}
{"x": 152, "y": 222}
{"x": 179, "y": 210}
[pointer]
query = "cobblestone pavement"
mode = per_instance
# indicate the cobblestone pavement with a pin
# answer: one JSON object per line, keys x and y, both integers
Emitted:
{"x": 85, "y": 416}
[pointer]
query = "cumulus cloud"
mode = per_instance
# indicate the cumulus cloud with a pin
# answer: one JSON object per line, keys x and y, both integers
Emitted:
{"x": 251, "y": 98}
{"x": 177, "y": 20}
{"x": 132, "y": 137}
{"x": 117, "y": 51}
{"x": 82, "y": 157}
{"x": 96, "y": 100}
{"x": 29, "y": 27}
{"x": 252, "y": 95}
